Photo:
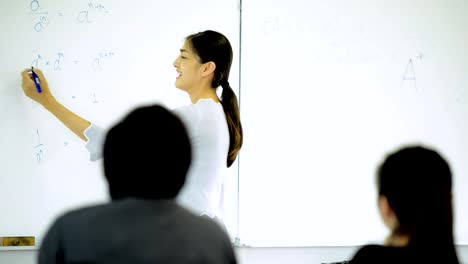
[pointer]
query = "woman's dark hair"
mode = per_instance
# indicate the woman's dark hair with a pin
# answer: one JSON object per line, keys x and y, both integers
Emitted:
{"x": 213, "y": 46}
{"x": 417, "y": 183}
{"x": 147, "y": 155}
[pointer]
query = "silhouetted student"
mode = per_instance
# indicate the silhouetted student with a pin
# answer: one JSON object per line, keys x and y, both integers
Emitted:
{"x": 213, "y": 123}
{"x": 145, "y": 165}
{"x": 415, "y": 202}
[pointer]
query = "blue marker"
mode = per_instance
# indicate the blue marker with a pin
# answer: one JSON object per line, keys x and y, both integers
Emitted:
{"x": 36, "y": 80}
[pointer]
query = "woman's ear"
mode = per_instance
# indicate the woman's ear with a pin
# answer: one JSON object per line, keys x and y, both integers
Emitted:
{"x": 387, "y": 213}
{"x": 208, "y": 68}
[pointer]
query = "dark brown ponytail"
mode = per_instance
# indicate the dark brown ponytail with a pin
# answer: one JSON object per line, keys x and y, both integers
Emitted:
{"x": 214, "y": 46}
{"x": 231, "y": 110}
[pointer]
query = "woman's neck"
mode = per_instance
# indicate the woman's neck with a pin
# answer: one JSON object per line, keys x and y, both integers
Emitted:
{"x": 394, "y": 240}
{"x": 207, "y": 93}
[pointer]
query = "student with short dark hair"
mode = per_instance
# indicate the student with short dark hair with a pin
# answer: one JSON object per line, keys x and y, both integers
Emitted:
{"x": 142, "y": 223}
{"x": 415, "y": 202}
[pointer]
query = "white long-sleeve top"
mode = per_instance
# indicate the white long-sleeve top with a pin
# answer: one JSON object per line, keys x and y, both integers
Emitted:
{"x": 207, "y": 128}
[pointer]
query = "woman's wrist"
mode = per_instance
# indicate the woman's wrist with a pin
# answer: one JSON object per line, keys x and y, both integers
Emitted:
{"x": 50, "y": 103}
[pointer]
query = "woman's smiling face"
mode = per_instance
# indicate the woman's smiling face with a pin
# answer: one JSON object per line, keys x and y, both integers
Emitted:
{"x": 188, "y": 67}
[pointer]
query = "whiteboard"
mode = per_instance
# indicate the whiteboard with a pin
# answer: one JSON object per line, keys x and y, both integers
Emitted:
{"x": 101, "y": 58}
{"x": 330, "y": 87}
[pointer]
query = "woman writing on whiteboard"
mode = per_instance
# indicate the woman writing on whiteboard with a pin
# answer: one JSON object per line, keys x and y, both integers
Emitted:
{"x": 213, "y": 123}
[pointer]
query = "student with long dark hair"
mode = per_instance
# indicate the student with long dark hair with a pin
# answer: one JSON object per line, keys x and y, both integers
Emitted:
{"x": 213, "y": 123}
{"x": 415, "y": 202}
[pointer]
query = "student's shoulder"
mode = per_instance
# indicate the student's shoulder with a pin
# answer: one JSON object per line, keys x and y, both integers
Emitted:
{"x": 369, "y": 254}
{"x": 197, "y": 222}
{"x": 202, "y": 225}
{"x": 215, "y": 237}
{"x": 78, "y": 214}
{"x": 381, "y": 254}
{"x": 369, "y": 250}
{"x": 71, "y": 220}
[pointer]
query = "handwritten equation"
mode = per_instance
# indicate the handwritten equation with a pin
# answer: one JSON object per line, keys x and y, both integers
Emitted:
{"x": 42, "y": 15}
{"x": 44, "y": 18}
{"x": 39, "y": 61}
{"x": 97, "y": 63}
{"x": 39, "y": 148}
{"x": 61, "y": 62}
{"x": 93, "y": 8}
{"x": 98, "y": 60}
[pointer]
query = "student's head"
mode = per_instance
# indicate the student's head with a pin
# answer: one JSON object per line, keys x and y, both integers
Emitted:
{"x": 147, "y": 155}
{"x": 207, "y": 57}
{"x": 415, "y": 196}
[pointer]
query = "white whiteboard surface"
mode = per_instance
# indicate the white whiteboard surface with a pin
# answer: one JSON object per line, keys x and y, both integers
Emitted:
{"x": 327, "y": 89}
{"x": 101, "y": 58}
